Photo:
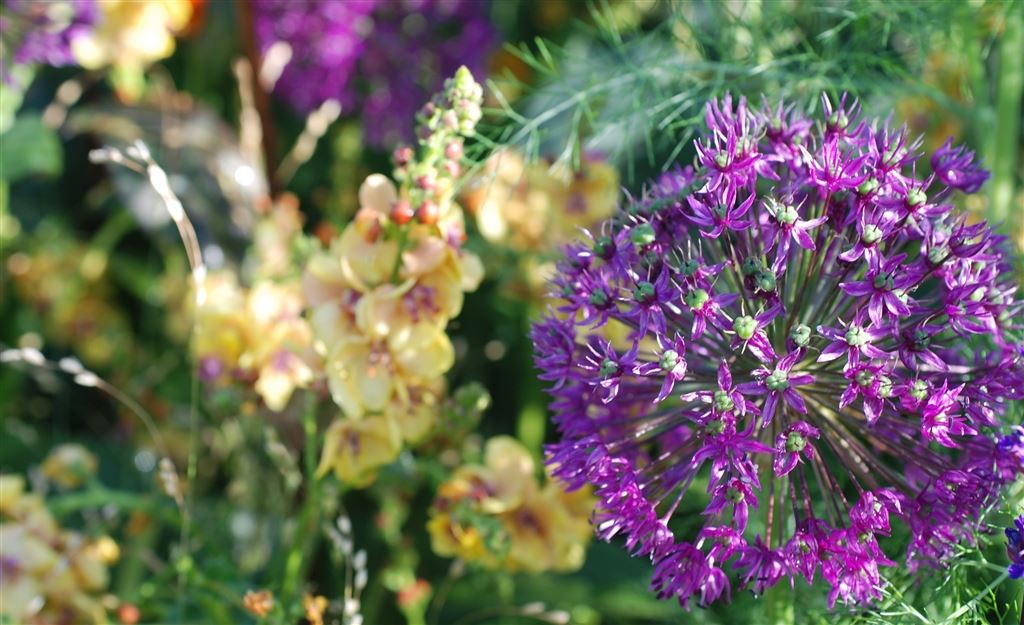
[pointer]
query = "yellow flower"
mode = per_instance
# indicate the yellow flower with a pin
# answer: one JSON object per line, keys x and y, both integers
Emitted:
{"x": 50, "y": 574}
{"x": 69, "y": 465}
{"x": 355, "y": 450}
{"x": 132, "y": 34}
{"x": 532, "y": 207}
{"x": 540, "y": 528}
{"x": 220, "y": 326}
{"x": 452, "y": 539}
{"x": 280, "y": 342}
{"x": 12, "y": 487}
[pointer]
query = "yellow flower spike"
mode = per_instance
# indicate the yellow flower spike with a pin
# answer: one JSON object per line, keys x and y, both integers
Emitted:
{"x": 69, "y": 465}
{"x": 355, "y": 450}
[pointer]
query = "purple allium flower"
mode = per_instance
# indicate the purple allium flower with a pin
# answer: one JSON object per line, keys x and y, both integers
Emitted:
{"x": 1015, "y": 547}
{"x": 385, "y": 56}
{"x": 850, "y": 346}
{"x": 42, "y": 32}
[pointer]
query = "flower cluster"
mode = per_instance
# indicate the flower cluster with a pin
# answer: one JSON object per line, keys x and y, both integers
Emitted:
{"x": 67, "y": 286}
{"x": 383, "y": 293}
{"x": 259, "y": 335}
{"x": 43, "y": 32}
{"x": 530, "y": 207}
{"x": 386, "y": 57}
{"x": 497, "y": 515}
{"x": 818, "y": 346}
{"x": 49, "y": 574}
{"x": 255, "y": 335}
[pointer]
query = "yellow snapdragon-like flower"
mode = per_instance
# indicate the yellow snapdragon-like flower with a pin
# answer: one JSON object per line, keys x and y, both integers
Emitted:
{"x": 499, "y": 516}
{"x": 50, "y": 575}
{"x": 131, "y": 33}
{"x": 355, "y": 450}
{"x": 259, "y": 335}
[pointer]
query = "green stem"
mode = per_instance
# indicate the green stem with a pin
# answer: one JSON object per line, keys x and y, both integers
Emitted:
{"x": 1009, "y": 91}
{"x": 778, "y": 605}
{"x": 308, "y": 534}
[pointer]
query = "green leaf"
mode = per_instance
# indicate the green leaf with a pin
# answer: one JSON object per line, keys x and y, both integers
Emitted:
{"x": 30, "y": 147}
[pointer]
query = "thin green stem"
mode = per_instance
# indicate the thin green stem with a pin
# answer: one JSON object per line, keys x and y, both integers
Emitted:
{"x": 307, "y": 535}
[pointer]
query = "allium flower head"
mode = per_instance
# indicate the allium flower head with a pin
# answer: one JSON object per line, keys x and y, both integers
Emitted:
{"x": 814, "y": 338}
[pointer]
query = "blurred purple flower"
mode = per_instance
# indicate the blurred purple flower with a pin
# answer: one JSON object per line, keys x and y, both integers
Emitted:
{"x": 384, "y": 57}
{"x": 42, "y": 32}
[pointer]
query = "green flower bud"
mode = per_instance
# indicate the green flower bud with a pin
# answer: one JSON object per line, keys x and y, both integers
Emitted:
{"x": 800, "y": 335}
{"x": 865, "y": 378}
{"x": 787, "y": 215}
{"x": 752, "y": 265}
{"x": 916, "y": 197}
{"x": 795, "y": 442}
{"x": 723, "y": 402}
{"x": 642, "y": 234}
{"x": 766, "y": 281}
{"x": 872, "y": 234}
{"x": 777, "y": 381}
{"x": 856, "y": 336}
{"x": 608, "y": 368}
{"x": 696, "y": 298}
{"x": 745, "y": 327}
{"x": 599, "y": 298}
{"x": 722, "y": 160}
{"x": 644, "y": 292}
{"x": 869, "y": 186}
{"x": 669, "y": 360}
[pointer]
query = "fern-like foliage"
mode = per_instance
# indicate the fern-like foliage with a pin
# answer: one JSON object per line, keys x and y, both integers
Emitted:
{"x": 637, "y": 96}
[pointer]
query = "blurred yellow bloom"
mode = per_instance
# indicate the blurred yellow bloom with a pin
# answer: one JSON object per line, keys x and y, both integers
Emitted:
{"x": 530, "y": 207}
{"x": 355, "y": 450}
{"x": 50, "y": 575}
{"x": 69, "y": 465}
{"x": 498, "y": 516}
{"x": 131, "y": 33}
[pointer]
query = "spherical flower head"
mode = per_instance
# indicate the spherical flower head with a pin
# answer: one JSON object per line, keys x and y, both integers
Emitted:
{"x": 850, "y": 347}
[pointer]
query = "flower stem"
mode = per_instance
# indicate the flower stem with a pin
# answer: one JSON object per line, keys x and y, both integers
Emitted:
{"x": 1009, "y": 92}
{"x": 307, "y": 533}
